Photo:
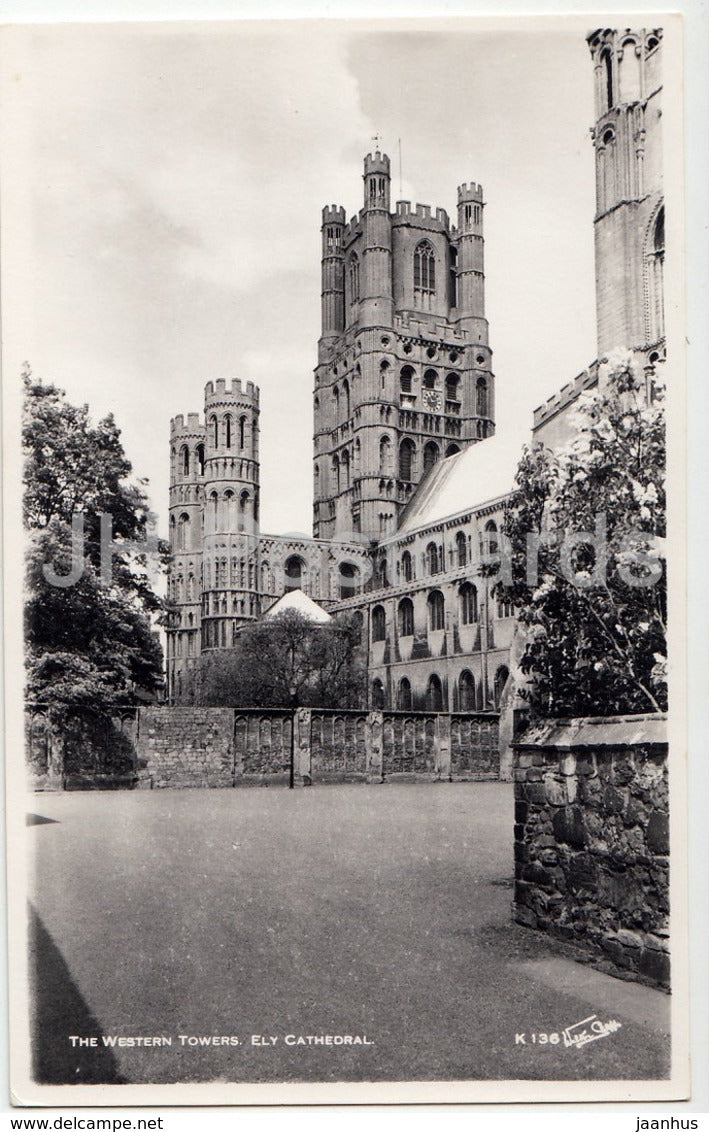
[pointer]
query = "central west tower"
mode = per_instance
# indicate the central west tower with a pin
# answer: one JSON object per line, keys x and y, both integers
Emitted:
{"x": 404, "y": 374}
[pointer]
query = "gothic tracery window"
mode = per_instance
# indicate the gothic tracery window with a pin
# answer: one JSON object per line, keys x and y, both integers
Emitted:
{"x": 461, "y": 549}
{"x": 468, "y": 603}
{"x": 406, "y": 617}
{"x": 407, "y": 453}
{"x": 424, "y": 269}
{"x": 436, "y": 611}
{"x": 466, "y": 691}
{"x": 403, "y": 700}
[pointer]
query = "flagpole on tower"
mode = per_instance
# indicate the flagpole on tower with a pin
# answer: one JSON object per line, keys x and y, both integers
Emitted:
{"x": 401, "y": 190}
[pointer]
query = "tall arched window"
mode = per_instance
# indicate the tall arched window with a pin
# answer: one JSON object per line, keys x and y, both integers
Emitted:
{"x": 214, "y": 426}
{"x": 190, "y": 588}
{"x": 213, "y": 511}
{"x": 348, "y": 579}
{"x": 608, "y": 77}
{"x": 227, "y": 430}
{"x": 407, "y": 566}
{"x": 505, "y": 607}
{"x": 199, "y": 459}
{"x": 293, "y": 573}
{"x": 378, "y": 695}
{"x": 481, "y": 401}
{"x": 406, "y": 379}
{"x": 436, "y": 611}
{"x": 346, "y": 398}
{"x": 406, "y": 617}
{"x": 489, "y": 540}
{"x": 353, "y": 278}
{"x": 501, "y": 677}
{"x": 430, "y": 455}
{"x": 629, "y": 72}
{"x": 185, "y": 460}
{"x": 468, "y": 603}
{"x": 229, "y": 511}
{"x": 432, "y": 559}
{"x": 345, "y": 470}
{"x": 336, "y": 474}
{"x": 336, "y": 403}
{"x": 424, "y": 268}
{"x": 378, "y": 623}
{"x": 430, "y": 379}
{"x": 461, "y": 549}
{"x": 385, "y": 456}
{"x": 466, "y": 691}
{"x": 407, "y": 455}
{"x": 452, "y": 383}
{"x": 242, "y": 433}
{"x": 403, "y": 699}
{"x": 434, "y": 694}
{"x": 183, "y": 532}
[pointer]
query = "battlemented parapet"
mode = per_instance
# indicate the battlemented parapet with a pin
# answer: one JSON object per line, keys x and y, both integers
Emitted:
{"x": 470, "y": 192}
{"x": 223, "y": 388}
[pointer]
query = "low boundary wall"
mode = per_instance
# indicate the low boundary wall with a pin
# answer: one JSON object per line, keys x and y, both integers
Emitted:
{"x": 592, "y": 837}
{"x": 161, "y": 746}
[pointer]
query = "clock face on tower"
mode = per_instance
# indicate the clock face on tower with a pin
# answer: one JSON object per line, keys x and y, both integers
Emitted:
{"x": 432, "y": 400}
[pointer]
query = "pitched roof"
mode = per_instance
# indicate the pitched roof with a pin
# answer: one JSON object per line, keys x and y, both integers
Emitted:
{"x": 301, "y": 603}
{"x": 480, "y": 474}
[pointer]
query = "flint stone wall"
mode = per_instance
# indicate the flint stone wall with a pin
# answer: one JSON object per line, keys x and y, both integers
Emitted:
{"x": 592, "y": 837}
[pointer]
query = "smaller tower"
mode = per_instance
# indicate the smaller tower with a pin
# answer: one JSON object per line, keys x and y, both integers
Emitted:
{"x": 187, "y": 467}
{"x": 333, "y": 271}
{"x": 471, "y": 263}
{"x": 375, "y": 292}
{"x": 231, "y": 511}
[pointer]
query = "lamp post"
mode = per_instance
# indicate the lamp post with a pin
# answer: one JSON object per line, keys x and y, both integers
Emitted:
{"x": 293, "y": 691}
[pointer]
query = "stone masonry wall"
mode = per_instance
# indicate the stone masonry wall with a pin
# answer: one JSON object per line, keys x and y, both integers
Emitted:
{"x": 592, "y": 837}
{"x": 187, "y": 746}
{"x": 164, "y": 746}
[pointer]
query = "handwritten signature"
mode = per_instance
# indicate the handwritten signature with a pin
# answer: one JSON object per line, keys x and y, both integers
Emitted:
{"x": 589, "y": 1030}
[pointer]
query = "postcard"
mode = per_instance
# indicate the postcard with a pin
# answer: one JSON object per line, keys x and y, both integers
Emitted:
{"x": 344, "y": 560}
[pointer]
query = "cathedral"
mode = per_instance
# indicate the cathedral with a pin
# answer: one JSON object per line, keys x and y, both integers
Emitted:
{"x": 410, "y": 479}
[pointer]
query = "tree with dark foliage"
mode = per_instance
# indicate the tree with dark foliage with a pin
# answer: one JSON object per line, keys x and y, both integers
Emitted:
{"x": 89, "y": 643}
{"x": 284, "y": 661}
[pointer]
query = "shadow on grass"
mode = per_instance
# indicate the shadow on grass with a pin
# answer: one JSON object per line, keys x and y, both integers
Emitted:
{"x": 58, "y": 1010}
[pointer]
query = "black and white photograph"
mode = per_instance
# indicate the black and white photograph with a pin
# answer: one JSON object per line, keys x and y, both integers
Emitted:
{"x": 343, "y": 369}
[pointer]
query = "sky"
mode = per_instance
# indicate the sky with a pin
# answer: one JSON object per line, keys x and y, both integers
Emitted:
{"x": 164, "y": 190}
